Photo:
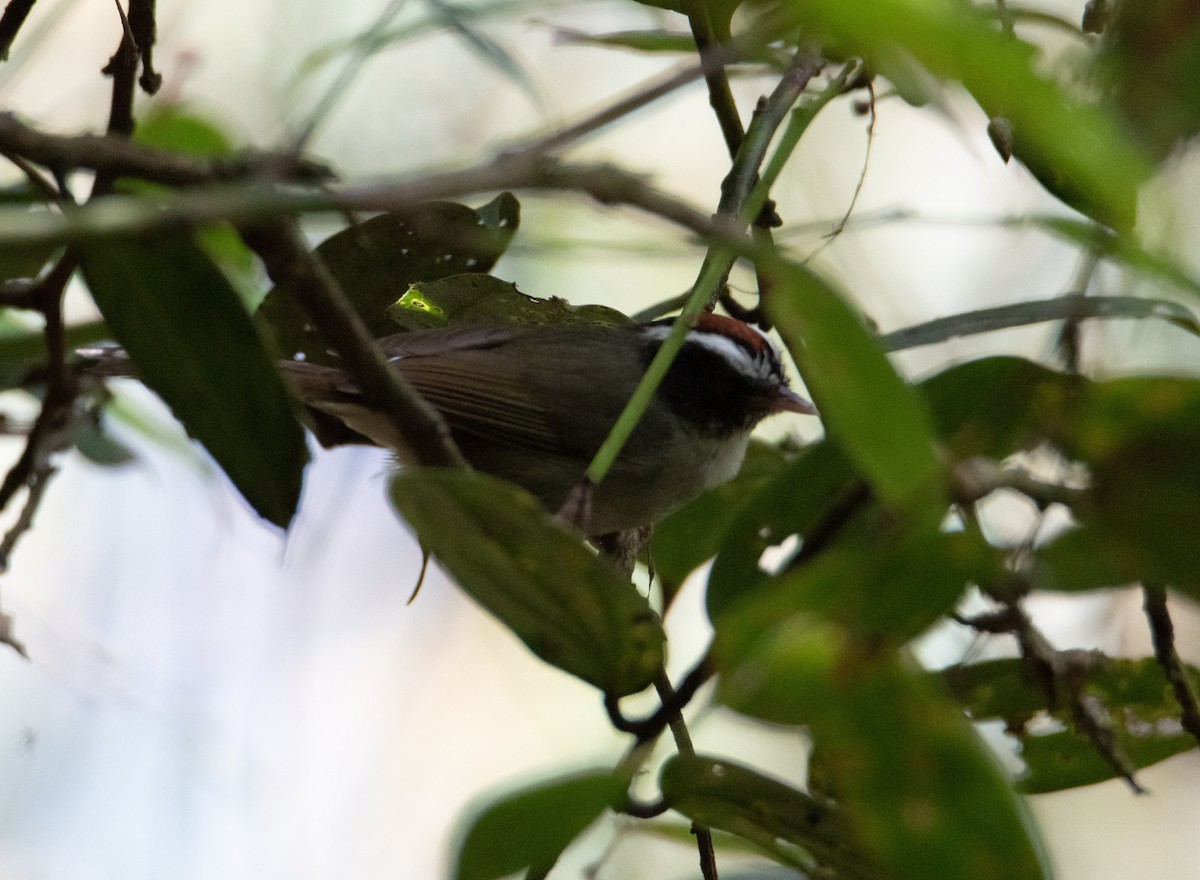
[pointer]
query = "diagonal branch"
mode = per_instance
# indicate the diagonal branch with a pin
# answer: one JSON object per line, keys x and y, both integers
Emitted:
{"x": 119, "y": 157}
{"x": 289, "y": 261}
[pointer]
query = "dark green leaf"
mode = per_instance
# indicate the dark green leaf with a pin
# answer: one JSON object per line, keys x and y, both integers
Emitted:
{"x": 195, "y": 346}
{"x": 1003, "y": 689}
{"x": 994, "y": 406}
{"x": 689, "y": 537}
{"x": 567, "y": 605}
{"x": 882, "y": 574}
{"x": 1062, "y": 760}
{"x": 473, "y": 297}
{"x": 375, "y": 262}
{"x": 924, "y": 796}
{"x": 1078, "y": 560}
{"x": 1065, "y": 307}
{"x": 25, "y": 260}
{"x": 1138, "y": 437}
{"x": 816, "y": 490}
{"x": 867, "y": 409}
{"x": 531, "y": 827}
{"x": 721, "y": 794}
{"x": 181, "y": 129}
{"x": 99, "y": 447}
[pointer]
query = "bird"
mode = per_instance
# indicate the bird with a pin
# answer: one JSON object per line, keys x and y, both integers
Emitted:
{"x": 532, "y": 404}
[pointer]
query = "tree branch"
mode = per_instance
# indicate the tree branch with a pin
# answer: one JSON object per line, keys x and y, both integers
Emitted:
{"x": 118, "y": 157}
{"x": 14, "y": 16}
{"x": 289, "y": 261}
{"x": 1162, "y": 633}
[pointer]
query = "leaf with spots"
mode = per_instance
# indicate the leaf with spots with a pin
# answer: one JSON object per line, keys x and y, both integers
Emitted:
{"x": 376, "y": 260}
{"x": 921, "y": 792}
{"x": 476, "y": 298}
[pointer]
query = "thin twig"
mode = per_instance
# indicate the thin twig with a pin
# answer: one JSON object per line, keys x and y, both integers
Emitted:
{"x": 647, "y": 729}
{"x": 612, "y": 112}
{"x": 1162, "y": 633}
{"x": 143, "y": 27}
{"x": 119, "y": 157}
{"x": 720, "y": 95}
{"x": 683, "y": 742}
{"x": 1062, "y": 674}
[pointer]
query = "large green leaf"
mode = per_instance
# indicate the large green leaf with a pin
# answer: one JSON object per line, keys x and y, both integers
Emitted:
{"x": 1138, "y": 438}
{"x": 375, "y": 262}
{"x": 867, "y": 409}
{"x": 995, "y": 406}
{"x": 1057, "y": 761}
{"x": 568, "y": 606}
{"x": 819, "y": 485}
{"x": 727, "y": 796}
{"x": 195, "y": 346}
{"x": 1004, "y": 689}
{"x": 474, "y": 297}
{"x": 689, "y": 537}
{"x": 924, "y": 795}
{"x": 531, "y": 827}
{"x": 891, "y": 580}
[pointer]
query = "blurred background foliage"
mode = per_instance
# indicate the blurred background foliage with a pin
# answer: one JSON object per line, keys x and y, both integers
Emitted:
{"x": 1009, "y": 424}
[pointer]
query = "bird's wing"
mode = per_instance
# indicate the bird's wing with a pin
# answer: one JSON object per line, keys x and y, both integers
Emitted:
{"x": 482, "y": 394}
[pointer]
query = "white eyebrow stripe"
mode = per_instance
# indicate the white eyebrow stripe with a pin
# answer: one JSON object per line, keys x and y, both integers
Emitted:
{"x": 738, "y": 356}
{"x": 758, "y": 366}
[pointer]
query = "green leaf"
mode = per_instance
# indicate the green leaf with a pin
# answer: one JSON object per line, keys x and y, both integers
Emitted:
{"x": 883, "y": 574}
{"x": 195, "y": 346}
{"x": 868, "y": 410}
{"x": 1138, "y": 438}
{"x": 1079, "y": 560}
{"x": 375, "y": 262}
{"x": 181, "y": 129}
{"x": 923, "y": 794}
{"x": 995, "y": 406}
{"x": 818, "y": 486}
{"x": 530, "y": 828}
{"x": 1062, "y": 760}
{"x": 473, "y": 297}
{"x": 1142, "y": 703}
{"x": 568, "y": 606}
{"x": 184, "y": 129}
{"x": 99, "y": 447}
{"x": 689, "y": 537}
{"x": 1079, "y": 150}
{"x": 727, "y": 796}
{"x": 1003, "y": 689}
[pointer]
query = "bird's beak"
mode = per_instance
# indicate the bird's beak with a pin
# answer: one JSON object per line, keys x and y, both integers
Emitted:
{"x": 788, "y": 400}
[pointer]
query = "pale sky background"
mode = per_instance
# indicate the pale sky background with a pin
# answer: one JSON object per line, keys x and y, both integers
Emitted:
{"x": 205, "y": 698}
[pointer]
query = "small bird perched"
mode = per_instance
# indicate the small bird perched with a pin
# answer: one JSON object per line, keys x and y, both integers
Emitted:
{"x": 533, "y": 403}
